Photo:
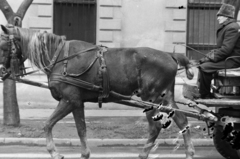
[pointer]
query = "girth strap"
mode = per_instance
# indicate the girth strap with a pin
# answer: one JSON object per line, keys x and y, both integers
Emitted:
{"x": 66, "y": 53}
{"x": 103, "y": 76}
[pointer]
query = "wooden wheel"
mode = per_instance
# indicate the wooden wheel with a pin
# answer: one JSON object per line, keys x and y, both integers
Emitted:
{"x": 222, "y": 146}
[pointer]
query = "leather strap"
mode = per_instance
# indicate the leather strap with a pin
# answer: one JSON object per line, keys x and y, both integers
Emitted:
{"x": 103, "y": 89}
{"x": 66, "y": 53}
{"x": 55, "y": 56}
{"x": 103, "y": 76}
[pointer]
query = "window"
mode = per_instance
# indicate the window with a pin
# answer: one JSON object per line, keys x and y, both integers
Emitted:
{"x": 202, "y": 26}
{"x": 76, "y": 19}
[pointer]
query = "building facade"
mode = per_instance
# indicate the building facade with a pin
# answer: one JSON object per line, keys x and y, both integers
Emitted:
{"x": 165, "y": 25}
{"x": 118, "y": 23}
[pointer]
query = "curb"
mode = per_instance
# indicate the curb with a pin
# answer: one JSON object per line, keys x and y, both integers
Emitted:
{"x": 101, "y": 142}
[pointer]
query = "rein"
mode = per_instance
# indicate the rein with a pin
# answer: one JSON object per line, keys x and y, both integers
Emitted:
{"x": 197, "y": 64}
{"x": 74, "y": 55}
{"x": 192, "y": 49}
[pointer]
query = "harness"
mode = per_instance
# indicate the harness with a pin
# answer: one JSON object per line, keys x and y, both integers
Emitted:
{"x": 17, "y": 67}
{"x": 72, "y": 79}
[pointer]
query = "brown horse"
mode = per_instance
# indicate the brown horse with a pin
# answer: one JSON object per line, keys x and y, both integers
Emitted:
{"x": 145, "y": 72}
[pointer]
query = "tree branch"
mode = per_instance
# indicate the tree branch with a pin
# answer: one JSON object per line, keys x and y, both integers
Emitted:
{"x": 6, "y": 9}
{"x": 23, "y": 8}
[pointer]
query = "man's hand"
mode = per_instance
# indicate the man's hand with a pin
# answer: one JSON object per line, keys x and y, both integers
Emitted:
{"x": 209, "y": 57}
{"x": 204, "y": 59}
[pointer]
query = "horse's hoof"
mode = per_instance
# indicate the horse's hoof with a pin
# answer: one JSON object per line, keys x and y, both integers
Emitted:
{"x": 143, "y": 156}
{"x": 59, "y": 157}
{"x": 85, "y": 156}
{"x": 189, "y": 157}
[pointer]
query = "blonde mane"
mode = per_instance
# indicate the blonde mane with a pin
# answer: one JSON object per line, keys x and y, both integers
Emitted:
{"x": 38, "y": 47}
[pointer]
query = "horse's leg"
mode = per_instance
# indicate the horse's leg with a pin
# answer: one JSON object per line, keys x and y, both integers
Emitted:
{"x": 63, "y": 109}
{"x": 181, "y": 121}
{"x": 154, "y": 128}
{"x": 79, "y": 118}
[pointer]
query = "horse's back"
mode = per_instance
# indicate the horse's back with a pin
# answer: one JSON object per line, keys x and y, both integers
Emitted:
{"x": 142, "y": 57}
{"x": 140, "y": 68}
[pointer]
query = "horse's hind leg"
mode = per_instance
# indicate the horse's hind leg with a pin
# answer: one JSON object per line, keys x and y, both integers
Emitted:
{"x": 154, "y": 128}
{"x": 181, "y": 121}
{"x": 79, "y": 118}
{"x": 63, "y": 109}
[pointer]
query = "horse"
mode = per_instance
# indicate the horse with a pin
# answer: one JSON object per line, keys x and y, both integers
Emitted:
{"x": 80, "y": 72}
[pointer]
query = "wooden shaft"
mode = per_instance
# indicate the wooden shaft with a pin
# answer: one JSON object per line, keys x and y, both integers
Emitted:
{"x": 206, "y": 116}
{"x": 25, "y": 81}
{"x": 127, "y": 100}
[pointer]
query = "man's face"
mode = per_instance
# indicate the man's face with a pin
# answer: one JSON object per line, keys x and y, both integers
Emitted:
{"x": 221, "y": 19}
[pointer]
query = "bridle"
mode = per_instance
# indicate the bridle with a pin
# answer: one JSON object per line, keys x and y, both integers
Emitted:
{"x": 13, "y": 61}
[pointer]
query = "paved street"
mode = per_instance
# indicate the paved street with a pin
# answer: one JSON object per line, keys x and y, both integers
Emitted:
{"x": 127, "y": 152}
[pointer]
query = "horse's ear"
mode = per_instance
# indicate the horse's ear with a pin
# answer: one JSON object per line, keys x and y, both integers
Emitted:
{"x": 4, "y": 29}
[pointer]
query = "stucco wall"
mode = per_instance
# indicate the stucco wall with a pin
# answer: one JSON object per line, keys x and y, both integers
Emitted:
{"x": 159, "y": 24}
{"x": 143, "y": 23}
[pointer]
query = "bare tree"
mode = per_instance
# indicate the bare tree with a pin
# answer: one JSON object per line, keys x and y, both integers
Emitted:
{"x": 11, "y": 114}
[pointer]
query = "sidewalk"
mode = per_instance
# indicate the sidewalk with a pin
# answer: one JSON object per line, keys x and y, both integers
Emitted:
{"x": 101, "y": 142}
{"x": 43, "y": 114}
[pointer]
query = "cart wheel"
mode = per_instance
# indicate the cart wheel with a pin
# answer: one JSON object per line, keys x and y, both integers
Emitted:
{"x": 222, "y": 146}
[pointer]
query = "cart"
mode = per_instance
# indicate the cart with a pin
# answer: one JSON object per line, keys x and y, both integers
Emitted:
{"x": 226, "y": 101}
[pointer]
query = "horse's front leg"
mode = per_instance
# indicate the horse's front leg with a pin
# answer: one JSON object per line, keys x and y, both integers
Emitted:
{"x": 63, "y": 109}
{"x": 79, "y": 118}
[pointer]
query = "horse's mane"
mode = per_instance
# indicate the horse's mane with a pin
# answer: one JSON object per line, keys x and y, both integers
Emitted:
{"x": 38, "y": 46}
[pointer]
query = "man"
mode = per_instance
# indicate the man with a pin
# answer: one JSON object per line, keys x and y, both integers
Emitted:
{"x": 228, "y": 45}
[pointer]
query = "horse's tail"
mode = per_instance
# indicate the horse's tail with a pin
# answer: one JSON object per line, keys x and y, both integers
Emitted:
{"x": 183, "y": 61}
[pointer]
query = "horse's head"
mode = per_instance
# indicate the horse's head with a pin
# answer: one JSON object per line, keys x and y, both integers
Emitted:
{"x": 11, "y": 56}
